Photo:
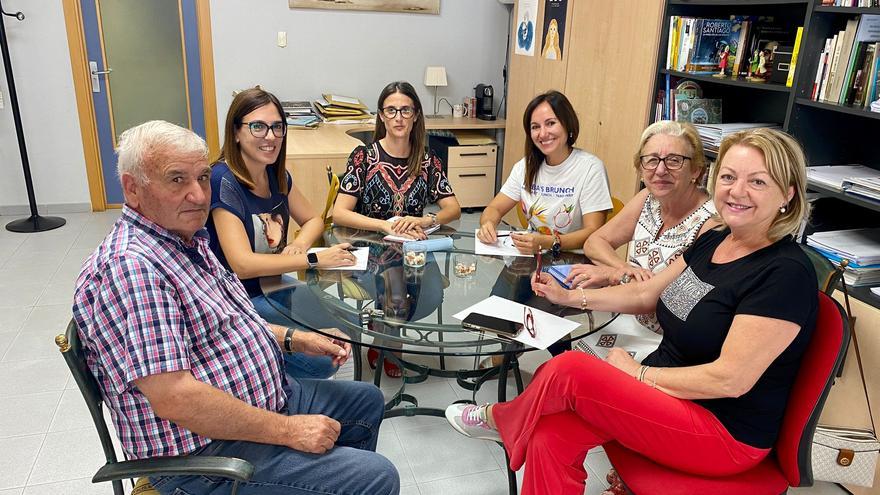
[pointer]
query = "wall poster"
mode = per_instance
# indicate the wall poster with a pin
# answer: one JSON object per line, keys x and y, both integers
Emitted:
{"x": 527, "y": 14}
{"x": 554, "y": 28}
{"x": 407, "y": 6}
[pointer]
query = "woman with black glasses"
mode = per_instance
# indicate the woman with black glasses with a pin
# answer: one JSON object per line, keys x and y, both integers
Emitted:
{"x": 396, "y": 175}
{"x": 253, "y": 198}
{"x": 386, "y": 187}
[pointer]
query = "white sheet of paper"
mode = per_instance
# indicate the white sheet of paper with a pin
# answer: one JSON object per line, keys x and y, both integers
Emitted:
{"x": 502, "y": 247}
{"x": 361, "y": 254}
{"x": 549, "y": 328}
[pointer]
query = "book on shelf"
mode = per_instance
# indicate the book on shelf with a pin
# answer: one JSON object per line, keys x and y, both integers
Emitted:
{"x": 867, "y": 32}
{"x": 712, "y": 134}
{"x": 712, "y": 38}
{"x": 860, "y": 246}
{"x": 866, "y": 187}
{"x": 834, "y": 176}
{"x": 698, "y": 110}
{"x": 789, "y": 80}
{"x": 841, "y": 60}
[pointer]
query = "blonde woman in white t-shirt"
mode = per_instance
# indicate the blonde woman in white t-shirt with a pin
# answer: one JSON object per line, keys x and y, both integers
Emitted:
{"x": 562, "y": 190}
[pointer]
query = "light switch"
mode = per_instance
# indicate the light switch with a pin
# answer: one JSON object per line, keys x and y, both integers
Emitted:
{"x": 282, "y": 38}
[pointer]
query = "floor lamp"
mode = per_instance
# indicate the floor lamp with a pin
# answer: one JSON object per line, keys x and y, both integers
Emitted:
{"x": 34, "y": 223}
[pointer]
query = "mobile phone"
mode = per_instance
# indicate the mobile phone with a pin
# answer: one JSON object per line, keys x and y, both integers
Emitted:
{"x": 481, "y": 322}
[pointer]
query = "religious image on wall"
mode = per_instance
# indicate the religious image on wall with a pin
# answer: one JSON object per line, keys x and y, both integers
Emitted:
{"x": 554, "y": 29}
{"x": 527, "y": 14}
{"x": 407, "y": 6}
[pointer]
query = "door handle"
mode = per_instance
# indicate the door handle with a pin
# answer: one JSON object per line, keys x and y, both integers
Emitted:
{"x": 472, "y": 175}
{"x": 93, "y": 70}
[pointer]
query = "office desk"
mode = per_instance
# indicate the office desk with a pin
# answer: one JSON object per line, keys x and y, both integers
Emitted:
{"x": 309, "y": 151}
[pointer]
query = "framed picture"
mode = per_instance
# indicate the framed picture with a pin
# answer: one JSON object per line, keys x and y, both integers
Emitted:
{"x": 407, "y": 6}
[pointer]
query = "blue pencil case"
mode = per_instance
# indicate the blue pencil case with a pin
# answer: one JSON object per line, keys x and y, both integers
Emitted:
{"x": 437, "y": 244}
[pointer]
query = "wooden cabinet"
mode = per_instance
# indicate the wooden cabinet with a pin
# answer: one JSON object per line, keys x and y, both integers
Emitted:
{"x": 471, "y": 173}
{"x": 607, "y": 72}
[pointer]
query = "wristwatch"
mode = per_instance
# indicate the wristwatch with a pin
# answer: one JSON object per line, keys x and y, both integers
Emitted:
{"x": 557, "y": 244}
{"x": 312, "y": 258}
{"x": 433, "y": 217}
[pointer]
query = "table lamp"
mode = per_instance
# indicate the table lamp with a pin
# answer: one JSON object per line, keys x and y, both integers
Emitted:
{"x": 435, "y": 76}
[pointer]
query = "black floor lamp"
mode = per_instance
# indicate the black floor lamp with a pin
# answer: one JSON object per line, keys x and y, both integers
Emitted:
{"x": 34, "y": 223}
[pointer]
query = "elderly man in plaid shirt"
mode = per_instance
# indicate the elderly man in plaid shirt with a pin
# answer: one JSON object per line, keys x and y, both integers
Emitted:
{"x": 185, "y": 363}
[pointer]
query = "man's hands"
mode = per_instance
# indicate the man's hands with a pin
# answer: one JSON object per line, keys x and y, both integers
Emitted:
{"x": 312, "y": 433}
{"x": 315, "y": 344}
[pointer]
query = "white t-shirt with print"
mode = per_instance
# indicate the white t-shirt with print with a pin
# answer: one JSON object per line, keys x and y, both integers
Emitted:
{"x": 561, "y": 195}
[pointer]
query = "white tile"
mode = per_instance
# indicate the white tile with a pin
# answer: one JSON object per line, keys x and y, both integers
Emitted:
{"x": 44, "y": 375}
{"x": 598, "y": 462}
{"x": 389, "y": 446}
{"x": 48, "y": 318}
{"x": 5, "y": 341}
{"x": 596, "y": 483}
{"x": 440, "y": 452}
{"x": 18, "y": 293}
{"x": 68, "y": 455}
{"x": 12, "y": 491}
{"x": 404, "y": 490}
{"x": 433, "y": 392}
{"x": 27, "y": 414}
{"x": 36, "y": 338}
{"x": 17, "y": 455}
{"x": 487, "y": 483}
{"x": 72, "y": 413}
{"x": 60, "y": 292}
{"x": 11, "y": 319}
{"x": 82, "y": 486}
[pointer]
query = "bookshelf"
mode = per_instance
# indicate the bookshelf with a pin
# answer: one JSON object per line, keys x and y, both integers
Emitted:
{"x": 831, "y": 133}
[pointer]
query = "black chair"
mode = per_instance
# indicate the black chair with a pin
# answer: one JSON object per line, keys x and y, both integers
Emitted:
{"x": 115, "y": 470}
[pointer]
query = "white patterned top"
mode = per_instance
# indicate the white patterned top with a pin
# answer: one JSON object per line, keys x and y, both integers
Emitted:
{"x": 655, "y": 252}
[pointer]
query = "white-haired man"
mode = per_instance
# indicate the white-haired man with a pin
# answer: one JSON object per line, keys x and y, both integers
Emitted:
{"x": 185, "y": 363}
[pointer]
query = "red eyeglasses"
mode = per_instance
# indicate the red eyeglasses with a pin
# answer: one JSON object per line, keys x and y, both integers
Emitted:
{"x": 529, "y": 322}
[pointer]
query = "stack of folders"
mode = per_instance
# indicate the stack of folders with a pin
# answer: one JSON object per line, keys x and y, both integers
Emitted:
{"x": 857, "y": 180}
{"x": 336, "y": 108}
{"x": 861, "y": 247}
{"x": 712, "y": 134}
{"x": 300, "y": 113}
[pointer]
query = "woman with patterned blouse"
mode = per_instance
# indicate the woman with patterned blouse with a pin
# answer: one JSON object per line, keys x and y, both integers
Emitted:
{"x": 395, "y": 175}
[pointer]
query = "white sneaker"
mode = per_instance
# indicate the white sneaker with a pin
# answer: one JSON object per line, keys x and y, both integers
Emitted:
{"x": 465, "y": 418}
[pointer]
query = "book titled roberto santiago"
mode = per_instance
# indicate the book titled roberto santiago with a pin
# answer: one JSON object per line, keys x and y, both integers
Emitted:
{"x": 712, "y": 37}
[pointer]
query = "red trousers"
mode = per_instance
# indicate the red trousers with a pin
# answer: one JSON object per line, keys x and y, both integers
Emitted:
{"x": 576, "y": 402}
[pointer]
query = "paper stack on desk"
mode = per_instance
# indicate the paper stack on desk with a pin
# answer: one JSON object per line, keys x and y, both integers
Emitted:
{"x": 549, "y": 328}
{"x": 503, "y": 246}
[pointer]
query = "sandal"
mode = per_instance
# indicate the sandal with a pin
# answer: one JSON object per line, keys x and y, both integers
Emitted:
{"x": 392, "y": 370}
{"x": 616, "y": 486}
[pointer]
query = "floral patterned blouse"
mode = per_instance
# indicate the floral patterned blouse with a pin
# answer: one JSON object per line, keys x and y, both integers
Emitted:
{"x": 384, "y": 188}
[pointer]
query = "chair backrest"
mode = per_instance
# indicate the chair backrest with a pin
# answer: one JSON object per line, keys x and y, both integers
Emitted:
{"x": 824, "y": 356}
{"x": 333, "y": 180}
{"x": 616, "y": 206}
{"x": 827, "y": 273}
{"x": 71, "y": 349}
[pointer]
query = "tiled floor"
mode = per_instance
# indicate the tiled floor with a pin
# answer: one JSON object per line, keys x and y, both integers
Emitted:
{"x": 48, "y": 444}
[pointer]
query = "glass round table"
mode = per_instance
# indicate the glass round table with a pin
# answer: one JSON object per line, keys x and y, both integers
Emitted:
{"x": 393, "y": 307}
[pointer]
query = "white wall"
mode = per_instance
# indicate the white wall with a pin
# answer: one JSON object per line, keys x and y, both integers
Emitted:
{"x": 356, "y": 53}
{"x": 43, "y": 80}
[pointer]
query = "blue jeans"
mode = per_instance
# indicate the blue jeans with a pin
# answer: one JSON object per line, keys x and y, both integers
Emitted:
{"x": 351, "y": 467}
{"x": 298, "y": 365}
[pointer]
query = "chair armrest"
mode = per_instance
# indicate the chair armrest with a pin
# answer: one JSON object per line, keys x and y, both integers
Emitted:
{"x": 226, "y": 467}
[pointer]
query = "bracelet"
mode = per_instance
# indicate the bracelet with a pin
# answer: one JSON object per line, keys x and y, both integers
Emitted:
{"x": 639, "y": 373}
{"x": 288, "y": 340}
{"x": 642, "y": 371}
{"x": 657, "y": 374}
{"x": 583, "y": 299}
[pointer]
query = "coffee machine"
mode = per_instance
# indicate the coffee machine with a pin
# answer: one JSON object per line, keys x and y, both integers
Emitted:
{"x": 484, "y": 93}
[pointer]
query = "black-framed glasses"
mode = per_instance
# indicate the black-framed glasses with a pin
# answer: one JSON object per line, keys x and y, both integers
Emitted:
{"x": 529, "y": 322}
{"x": 672, "y": 161}
{"x": 405, "y": 112}
{"x": 260, "y": 129}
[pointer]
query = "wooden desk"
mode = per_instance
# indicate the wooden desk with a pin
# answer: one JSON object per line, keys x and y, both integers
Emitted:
{"x": 309, "y": 151}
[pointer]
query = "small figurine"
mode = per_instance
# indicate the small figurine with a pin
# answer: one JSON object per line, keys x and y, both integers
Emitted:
{"x": 762, "y": 71}
{"x": 723, "y": 61}
{"x": 753, "y": 63}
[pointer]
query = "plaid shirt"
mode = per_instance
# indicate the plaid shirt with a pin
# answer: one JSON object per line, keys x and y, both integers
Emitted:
{"x": 146, "y": 303}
